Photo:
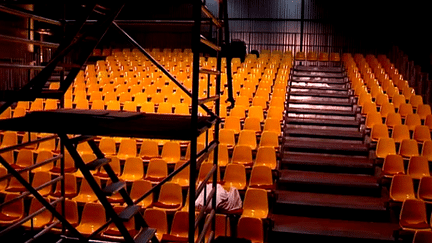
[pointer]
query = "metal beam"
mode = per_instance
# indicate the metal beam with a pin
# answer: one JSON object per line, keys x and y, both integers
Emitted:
{"x": 27, "y": 41}
{"x": 29, "y": 15}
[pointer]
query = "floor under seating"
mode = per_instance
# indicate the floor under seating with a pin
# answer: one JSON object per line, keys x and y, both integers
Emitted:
{"x": 328, "y": 186}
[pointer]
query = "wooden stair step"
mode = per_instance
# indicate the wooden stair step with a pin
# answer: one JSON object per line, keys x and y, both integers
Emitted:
{"x": 345, "y": 102}
{"x": 336, "y": 80}
{"x": 319, "y": 69}
{"x": 286, "y": 198}
{"x": 284, "y": 224}
{"x": 318, "y": 86}
{"x": 328, "y": 132}
{"x": 328, "y": 179}
{"x": 317, "y": 121}
{"x": 324, "y": 144}
{"x": 333, "y": 111}
{"x": 319, "y": 93}
{"x": 318, "y": 74}
{"x": 312, "y": 159}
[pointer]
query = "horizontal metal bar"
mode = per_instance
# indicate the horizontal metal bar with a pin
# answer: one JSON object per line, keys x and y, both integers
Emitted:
{"x": 22, "y": 66}
{"x": 210, "y": 44}
{"x": 206, "y": 226}
{"x": 29, "y": 15}
{"x": 27, "y": 143}
{"x": 209, "y": 14}
{"x": 25, "y": 194}
{"x": 209, "y": 71}
{"x": 27, "y": 41}
{"x": 148, "y": 21}
{"x": 209, "y": 99}
{"x": 31, "y": 167}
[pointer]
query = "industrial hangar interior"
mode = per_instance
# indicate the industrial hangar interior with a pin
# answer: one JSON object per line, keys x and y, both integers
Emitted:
{"x": 215, "y": 121}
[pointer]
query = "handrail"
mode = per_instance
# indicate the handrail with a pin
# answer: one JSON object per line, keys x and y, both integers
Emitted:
{"x": 13, "y": 147}
{"x": 29, "y": 15}
{"x": 27, "y": 41}
{"x": 159, "y": 66}
{"x": 21, "y": 66}
{"x": 25, "y": 194}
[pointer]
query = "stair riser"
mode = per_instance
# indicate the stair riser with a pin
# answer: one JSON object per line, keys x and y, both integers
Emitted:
{"x": 276, "y": 236}
{"x": 325, "y": 150}
{"x": 331, "y": 212}
{"x": 374, "y": 191}
{"x": 320, "y": 80}
{"x": 325, "y": 168}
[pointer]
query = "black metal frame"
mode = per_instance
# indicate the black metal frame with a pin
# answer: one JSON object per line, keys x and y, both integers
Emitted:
{"x": 87, "y": 41}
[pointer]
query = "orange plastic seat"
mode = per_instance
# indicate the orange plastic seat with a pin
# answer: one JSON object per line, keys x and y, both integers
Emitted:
{"x": 255, "y": 203}
{"x": 24, "y": 159}
{"x": 71, "y": 214}
{"x": 157, "y": 219}
{"x": 15, "y": 185}
{"x": 269, "y": 139}
{"x": 157, "y": 170}
{"x": 70, "y": 190}
{"x": 422, "y": 237}
{"x": 400, "y": 132}
{"x": 261, "y": 177}
{"x": 418, "y": 167}
{"x": 386, "y": 109}
{"x": 385, "y": 146}
{"x": 86, "y": 194}
{"x": 40, "y": 178}
{"x": 405, "y": 109}
{"x": 393, "y": 119}
{"x": 171, "y": 152}
{"x": 256, "y": 111}
{"x": 421, "y": 133}
{"x": 379, "y": 131}
{"x": 272, "y": 125}
{"x": 12, "y": 212}
{"x": 372, "y": 118}
{"x": 401, "y": 188}
{"x": 250, "y": 229}
{"x": 227, "y": 137}
{"x": 204, "y": 170}
{"x": 170, "y": 198}
{"x": 133, "y": 170}
{"x": 113, "y": 233}
{"x": 242, "y": 154}
{"x": 409, "y": 148}
{"x": 93, "y": 217}
{"x": 424, "y": 191}
{"x": 393, "y": 165}
{"x": 247, "y": 138}
{"x": 253, "y": 124}
{"x": 128, "y": 148}
{"x": 235, "y": 176}
{"x": 107, "y": 146}
{"x": 182, "y": 178}
{"x": 427, "y": 150}
{"x": 266, "y": 156}
{"x": 413, "y": 215}
{"x": 41, "y": 219}
{"x": 149, "y": 149}
{"x": 222, "y": 227}
{"x": 179, "y": 228}
{"x": 423, "y": 111}
{"x": 412, "y": 120}
{"x": 416, "y": 101}
{"x": 138, "y": 189}
{"x": 233, "y": 123}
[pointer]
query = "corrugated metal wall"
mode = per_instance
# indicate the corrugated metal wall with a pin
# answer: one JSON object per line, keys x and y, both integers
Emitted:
{"x": 276, "y": 25}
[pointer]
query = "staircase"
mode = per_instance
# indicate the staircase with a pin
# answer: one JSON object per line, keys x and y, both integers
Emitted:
{"x": 328, "y": 186}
